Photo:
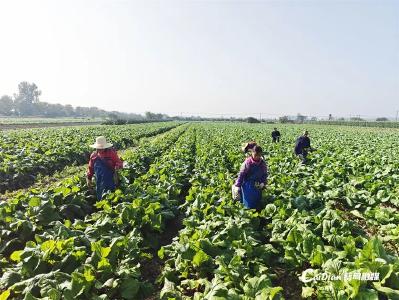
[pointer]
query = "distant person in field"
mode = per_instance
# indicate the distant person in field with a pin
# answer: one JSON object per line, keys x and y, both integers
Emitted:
{"x": 275, "y": 135}
{"x": 302, "y": 147}
{"x": 251, "y": 179}
{"x": 103, "y": 163}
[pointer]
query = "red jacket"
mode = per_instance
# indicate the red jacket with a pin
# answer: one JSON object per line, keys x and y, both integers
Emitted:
{"x": 111, "y": 158}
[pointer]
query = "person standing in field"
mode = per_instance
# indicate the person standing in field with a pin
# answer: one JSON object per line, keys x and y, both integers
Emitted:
{"x": 302, "y": 147}
{"x": 251, "y": 179}
{"x": 103, "y": 163}
{"x": 275, "y": 135}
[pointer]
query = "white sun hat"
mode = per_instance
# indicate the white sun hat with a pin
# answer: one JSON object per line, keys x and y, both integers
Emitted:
{"x": 101, "y": 143}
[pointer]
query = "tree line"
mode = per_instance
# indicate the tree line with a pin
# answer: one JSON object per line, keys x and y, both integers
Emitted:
{"x": 26, "y": 103}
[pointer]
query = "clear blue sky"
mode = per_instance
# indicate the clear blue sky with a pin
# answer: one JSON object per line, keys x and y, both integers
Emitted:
{"x": 201, "y": 57}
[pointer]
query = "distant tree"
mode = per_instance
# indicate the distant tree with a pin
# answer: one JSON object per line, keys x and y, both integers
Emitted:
{"x": 301, "y": 118}
{"x": 26, "y": 103}
{"x": 6, "y": 105}
{"x": 155, "y": 117}
{"x": 42, "y": 108}
{"x": 113, "y": 116}
{"x": 149, "y": 115}
{"x": 28, "y": 92}
{"x": 382, "y": 119}
{"x": 356, "y": 119}
{"x": 313, "y": 119}
{"x": 93, "y": 112}
{"x": 284, "y": 119}
{"x": 330, "y": 117}
{"x": 68, "y": 110}
{"x": 55, "y": 110}
{"x": 252, "y": 120}
{"x": 27, "y": 97}
{"x": 78, "y": 111}
{"x": 158, "y": 116}
{"x": 86, "y": 111}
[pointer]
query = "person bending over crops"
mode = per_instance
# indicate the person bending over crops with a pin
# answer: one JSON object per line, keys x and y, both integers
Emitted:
{"x": 275, "y": 135}
{"x": 104, "y": 163}
{"x": 251, "y": 179}
{"x": 302, "y": 147}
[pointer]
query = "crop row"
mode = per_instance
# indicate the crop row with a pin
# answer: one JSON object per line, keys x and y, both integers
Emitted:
{"x": 225, "y": 251}
{"x": 220, "y": 253}
{"x": 325, "y": 211}
{"x": 26, "y": 153}
{"x": 60, "y": 244}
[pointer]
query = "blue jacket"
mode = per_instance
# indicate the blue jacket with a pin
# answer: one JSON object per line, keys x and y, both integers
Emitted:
{"x": 301, "y": 144}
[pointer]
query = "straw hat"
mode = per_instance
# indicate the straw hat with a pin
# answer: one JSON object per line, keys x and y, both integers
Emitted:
{"x": 101, "y": 143}
{"x": 244, "y": 147}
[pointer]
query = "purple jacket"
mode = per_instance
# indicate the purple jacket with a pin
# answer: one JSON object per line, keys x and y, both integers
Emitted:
{"x": 246, "y": 167}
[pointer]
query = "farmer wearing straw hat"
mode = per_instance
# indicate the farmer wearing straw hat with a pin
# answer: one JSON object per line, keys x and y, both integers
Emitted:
{"x": 103, "y": 163}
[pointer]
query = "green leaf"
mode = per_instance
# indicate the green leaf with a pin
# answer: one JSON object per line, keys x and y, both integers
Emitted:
{"x": 161, "y": 253}
{"x": 88, "y": 275}
{"x": 356, "y": 213}
{"x": 256, "y": 285}
{"x": 9, "y": 278}
{"x": 168, "y": 290}
{"x": 307, "y": 291}
{"x": 317, "y": 258}
{"x": 373, "y": 249}
{"x": 4, "y": 295}
{"x": 54, "y": 294}
{"x": 79, "y": 284}
{"x": 68, "y": 223}
{"x": 103, "y": 263}
{"x": 48, "y": 246}
{"x": 274, "y": 291}
{"x": 270, "y": 209}
{"x": 129, "y": 288}
{"x": 367, "y": 295}
{"x": 110, "y": 283}
{"x": 105, "y": 251}
{"x": 199, "y": 258}
{"x": 34, "y": 202}
{"x": 391, "y": 293}
{"x": 16, "y": 255}
{"x": 29, "y": 296}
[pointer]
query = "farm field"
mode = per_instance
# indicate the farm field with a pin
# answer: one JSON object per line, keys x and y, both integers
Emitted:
{"x": 11, "y": 123}
{"x": 172, "y": 230}
{"x": 27, "y": 153}
{"x": 37, "y": 120}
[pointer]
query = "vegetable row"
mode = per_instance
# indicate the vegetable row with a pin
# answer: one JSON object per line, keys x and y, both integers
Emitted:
{"x": 92, "y": 249}
{"x": 24, "y": 154}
